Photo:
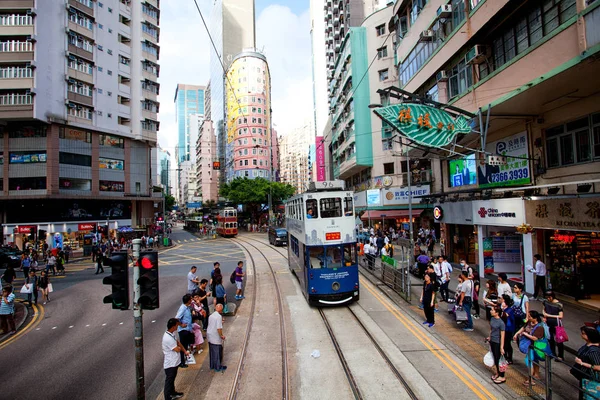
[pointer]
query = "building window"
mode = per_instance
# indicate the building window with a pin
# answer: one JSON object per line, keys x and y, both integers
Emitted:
{"x": 110, "y": 10}
{"x": 100, "y": 26}
{"x": 383, "y": 75}
{"x": 460, "y": 79}
{"x": 112, "y": 186}
{"x": 388, "y": 168}
{"x": 100, "y": 69}
{"x": 112, "y": 141}
{"x": 382, "y": 52}
{"x": 74, "y": 159}
{"x": 574, "y": 142}
{"x": 109, "y": 72}
{"x": 100, "y": 48}
{"x": 27, "y": 132}
{"x": 36, "y": 183}
{"x": 380, "y": 29}
{"x": 74, "y": 184}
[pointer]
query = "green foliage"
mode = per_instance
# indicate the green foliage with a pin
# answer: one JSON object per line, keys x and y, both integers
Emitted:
{"x": 209, "y": 204}
{"x": 169, "y": 203}
{"x": 254, "y": 193}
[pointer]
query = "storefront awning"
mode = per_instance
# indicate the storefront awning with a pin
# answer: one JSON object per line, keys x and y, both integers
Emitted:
{"x": 378, "y": 214}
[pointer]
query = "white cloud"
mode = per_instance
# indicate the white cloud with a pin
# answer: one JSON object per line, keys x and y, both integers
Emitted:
{"x": 184, "y": 58}
{"x": 285, "y": 39}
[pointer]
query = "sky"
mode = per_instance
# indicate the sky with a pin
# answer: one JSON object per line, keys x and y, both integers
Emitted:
{"x": 283, "y": 35}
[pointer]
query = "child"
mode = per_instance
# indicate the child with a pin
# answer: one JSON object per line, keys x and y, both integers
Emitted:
{"x": 197, "y": 328}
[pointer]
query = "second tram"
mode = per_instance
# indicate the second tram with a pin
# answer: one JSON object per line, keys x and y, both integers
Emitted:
{"x": 227, "y": 222}
{"x": 322, "y": 243}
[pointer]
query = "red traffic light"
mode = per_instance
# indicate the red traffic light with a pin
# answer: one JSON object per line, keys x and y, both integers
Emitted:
{"x": 146, "y": 263}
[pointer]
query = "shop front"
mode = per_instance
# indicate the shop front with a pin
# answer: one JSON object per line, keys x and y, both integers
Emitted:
{"x": 568, "y": 231}
{"x": 501, "y": 247}
{"x": 458, "y": 235}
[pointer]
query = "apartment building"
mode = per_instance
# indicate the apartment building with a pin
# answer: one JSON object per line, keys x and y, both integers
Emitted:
{"x": 164, "y": 166}
{"x": 295, "y": 160}
{"x": 533, "y": 66}
{"x": 78, "y": 116}
{"x": 207, "y": 164}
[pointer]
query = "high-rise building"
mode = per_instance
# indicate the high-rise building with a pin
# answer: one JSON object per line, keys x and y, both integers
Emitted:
{"x": 248, "y": 149}
{"x": 78, "y": 116}
{"x": 294, "y": 161}
{"x": 189, "y": 100}
{"x": 207, "y": 164}
{"x": 164, "y": 166}
{"x": 232, "y": 29}
{"x": 188, "y": 180}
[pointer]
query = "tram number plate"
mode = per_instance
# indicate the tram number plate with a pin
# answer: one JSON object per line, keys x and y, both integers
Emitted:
{"x": 333, "y": 236}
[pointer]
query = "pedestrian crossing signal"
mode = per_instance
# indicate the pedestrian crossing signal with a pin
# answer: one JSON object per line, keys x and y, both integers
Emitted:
{"x": 119, "y": 280}
{"x": 148, "y": 280}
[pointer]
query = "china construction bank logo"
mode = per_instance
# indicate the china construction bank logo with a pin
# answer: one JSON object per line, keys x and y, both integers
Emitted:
{"x": 482, "y": 212}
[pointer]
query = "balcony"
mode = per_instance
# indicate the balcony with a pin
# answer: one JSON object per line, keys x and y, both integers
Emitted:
{"x": 80, "y": 98}
{"x": 16, "y": 4}
{"x": 124, "y": 109}
{"x": 153, "y": 3}
{"x": 148, "y": 135}
{"x": 147, "y": 114}
{"x": 84, "y": 6}
{"x": 149, "y": 75}
{"x": 16, "y": 78}
{"x": 81, "y": 76}
{"x": 16, "y": 25}
{"x": 125, "y": 130}
{"x": 150, "y": 18}
{"x": 88, "y": 55}
{"x": 124, "y": 89}
{"x": 124, "y": 68}
{"x": 16, "y": 51}
{"x": 78, "y": 120}
{"x": 125, "y": 49}
{"x": 16, "y": 106}
{"x": 73, "y": 27}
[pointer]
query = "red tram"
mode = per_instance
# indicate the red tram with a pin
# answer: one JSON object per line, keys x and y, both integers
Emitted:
{"x": 227, "y": 222}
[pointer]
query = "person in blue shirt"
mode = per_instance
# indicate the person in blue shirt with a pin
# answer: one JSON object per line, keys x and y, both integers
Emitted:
{"x": 309, "y": 214}
{"x": 7, "y": 309}
{"x": 186, "y": 335}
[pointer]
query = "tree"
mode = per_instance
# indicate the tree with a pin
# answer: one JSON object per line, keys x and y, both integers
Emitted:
{"x": 169, "y": 202}
{"x": 254, "y": 193}
{"x": 210, "y": 204}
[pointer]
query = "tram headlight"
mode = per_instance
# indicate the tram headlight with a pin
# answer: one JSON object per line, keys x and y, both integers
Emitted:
{"x": 335, "y": 286}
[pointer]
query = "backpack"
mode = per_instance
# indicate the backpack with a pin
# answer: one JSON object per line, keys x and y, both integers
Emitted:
{"x": 232, "y": 277}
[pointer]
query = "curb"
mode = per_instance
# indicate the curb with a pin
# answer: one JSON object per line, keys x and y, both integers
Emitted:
{"x": 19, "y": 319}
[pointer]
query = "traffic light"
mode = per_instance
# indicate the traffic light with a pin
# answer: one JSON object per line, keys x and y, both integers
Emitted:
{"x": 119, "y": 280}
{"x": 148, "y": 281}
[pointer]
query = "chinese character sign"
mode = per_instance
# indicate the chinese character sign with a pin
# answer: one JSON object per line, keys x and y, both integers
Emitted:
{"x": 320, "y": 158}
{"x": 516, "y": 170}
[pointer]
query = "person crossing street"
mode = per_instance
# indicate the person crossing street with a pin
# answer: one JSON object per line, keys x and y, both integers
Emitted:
{"x": 239, "y": 280}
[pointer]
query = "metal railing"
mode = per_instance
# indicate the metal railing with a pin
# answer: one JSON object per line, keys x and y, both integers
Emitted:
{"x": 15, "y": 99}
{"x": 15, "y": 45}
{"x": 15, "y": 72}
{"x": 16, "y": 20}
{"x": 393, "y": 272}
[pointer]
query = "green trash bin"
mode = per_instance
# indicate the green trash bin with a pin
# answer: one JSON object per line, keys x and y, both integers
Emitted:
{"x": 165, "y": 241}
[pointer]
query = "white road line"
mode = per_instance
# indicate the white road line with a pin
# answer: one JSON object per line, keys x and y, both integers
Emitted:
{"x": 153, "y": 321}
{"x": 71, "y": 326}
{"x": 120, "y": 323}
{"x": 54, "y": 327}
{"x": 87, "y": 325}
{"x": 103, "y": 324}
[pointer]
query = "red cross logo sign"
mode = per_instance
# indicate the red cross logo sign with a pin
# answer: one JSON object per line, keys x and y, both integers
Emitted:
{"x": 482, "y": 212}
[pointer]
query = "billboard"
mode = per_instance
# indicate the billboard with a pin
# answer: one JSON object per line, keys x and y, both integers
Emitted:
{"x": 516, "y": 172}
{"x": 109, "y": 163}
{"x": 27, "y": 157}
{"x": 463, "y": 171}
{"x": 320, "y": 158}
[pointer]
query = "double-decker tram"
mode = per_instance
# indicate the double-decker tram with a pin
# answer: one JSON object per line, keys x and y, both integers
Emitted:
{"x": 322, "y": 243}
{"x": 227, "y": 222}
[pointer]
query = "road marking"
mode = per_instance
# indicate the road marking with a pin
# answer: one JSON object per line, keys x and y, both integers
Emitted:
{"x": 120, "y": 323}
{"x": 103, "y": 324}
{"x": 54, "y": 327}
{"x": 441, "y": 354}
{"x": 153, "y": 321}
{"x": 71, "y": 326}
{"x": 87, "y": 325}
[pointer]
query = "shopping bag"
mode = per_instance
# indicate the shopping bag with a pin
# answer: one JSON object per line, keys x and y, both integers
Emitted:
{"x": 225, "y": 309}
{"x": 26, "y": 290}
{"x": 50, "y": 288}
{"x": 488, "y": 359}
{"x": 190, "y": 359}
{"x": 542, "y": 348}
{"x": 502, "y": 364}
{"x": 561, "y": 334}
{"x": 461, "y": 315}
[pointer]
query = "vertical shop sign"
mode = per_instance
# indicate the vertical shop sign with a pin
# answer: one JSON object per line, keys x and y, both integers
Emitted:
{"x": 488, "y": 255}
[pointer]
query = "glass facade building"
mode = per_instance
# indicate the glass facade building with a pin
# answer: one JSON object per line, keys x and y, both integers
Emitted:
{"x": 189, "y": 99}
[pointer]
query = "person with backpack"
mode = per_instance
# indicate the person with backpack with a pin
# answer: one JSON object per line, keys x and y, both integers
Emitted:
{"x": 239, "y": 279}
{"x": 521, "y": 305}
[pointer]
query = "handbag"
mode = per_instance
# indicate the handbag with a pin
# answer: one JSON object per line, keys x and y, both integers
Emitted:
{"x": 225, "y": 309}
{"x": 488, "y": 359}
{"x": 542, "y": 348}
{"x": 26, "y": 290}
{"x": 461, "y": 314}
{"x": 50, "y": 288}
{"x": 502, "y": 364}
{"x": 560, "y": 335}
{"x": 524, "y": 344}
{"x": 591, "y": 389}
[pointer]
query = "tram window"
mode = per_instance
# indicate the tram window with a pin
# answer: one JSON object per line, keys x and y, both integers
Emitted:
{"x": 348, "y": 210}
{"x": 331, "y": 207}
{"x": 316, "y": 255}
{"x": 334, "y": 257}
{"x": 349, "y": 255}
{"x": 312, "y": 209}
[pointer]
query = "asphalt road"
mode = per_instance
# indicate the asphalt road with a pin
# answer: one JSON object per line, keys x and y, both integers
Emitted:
{"x": 84, "y": 349}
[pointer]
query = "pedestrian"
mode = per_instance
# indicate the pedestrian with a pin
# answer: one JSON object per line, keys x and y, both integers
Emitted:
{"x": 430, "y": 243}
{"x": 554, "y": 314}
{"x": 99, "y": 260}
{"x": 220, "y": 294}
{"x": 521, "y": 302}
{"x": 466, "y": 299}
{"x": 60, "y": 265}
{"x": 198, "y": 339}
{"x": 503, "y": 285}
{"x": 540, "y": 277}
{"x": 533, "y": 330}
{"x": 427, "y": 299}
{"x": 186, "y": 336}
{"x": 204, "y": 299}
{"x": 444, "y": 274}
{"x": 496, "y": 340}
{"x": 239, "y": 280}
{"x": 171, "y": 348}
{"x": 216, "y": 271}
{"x": 32, "y": 284}
{"x": 7, "y": 311}
{"x": 490, "y": 297}
{"x": 508, "y": 316}
{"x": 25, "y": 264}
{"x": 422, "y": 262}
{"x": 587, "y": 362}
{"x": 44, "y": 283}
{"x": 476, "y": 288}
{"x": 9, "y": 275}
{"x": 67, "y": 253}
{"x": 51, "y": 265}
{"x": 215, "y": 338}
{"x": 193, "y": 280}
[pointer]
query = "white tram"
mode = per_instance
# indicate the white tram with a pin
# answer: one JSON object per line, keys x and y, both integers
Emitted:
{"x": 322, "y": 243}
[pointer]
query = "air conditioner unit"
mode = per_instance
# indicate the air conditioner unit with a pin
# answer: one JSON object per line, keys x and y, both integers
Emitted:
{"x": 71, "y": 80}
{"x": 478, "y": 54}
{"x": 79, "y": 84}
{"x": 30, "y": 12}
{"x": 441, "y": 76}
{"x": 444, "y": 11}
{"x": 79, "y": 108}
{"x": 71, "y": 105}
{"x": 426, "y": 36}
{"x": 72, "y": 58}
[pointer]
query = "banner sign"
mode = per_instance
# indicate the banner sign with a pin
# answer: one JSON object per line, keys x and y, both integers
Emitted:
{"x": 516, "y": 169}
{"x": 86, "y": 227}
{"x": 373, "y": 197}
{"x": 399, "y": 195}
{"x": 320, "y": 158}
{"x": 578, "y": 214}
{"x": 500, "y": 212}
{"x": 27, "y": 158}
{"x": 109, "y": 163}
{"x": 27, "y": 229}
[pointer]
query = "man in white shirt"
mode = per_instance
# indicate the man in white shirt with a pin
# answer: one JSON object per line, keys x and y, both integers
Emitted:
{"x": 193, "y": 280}
{"x": 445, "y": 269}
{"x": 215, "y": 337}
{"x": 540, "y": 277}
{"x": 171, "y": 349}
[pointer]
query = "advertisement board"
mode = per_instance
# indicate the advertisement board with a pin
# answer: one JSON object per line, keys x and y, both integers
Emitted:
{"x": 516, "y": 172}
{"x": 373, "y": 197}
{"x": 27, "y": 158}
{"x": 463, "y": 171}
{"x": 320, "y": 158}
{"x": 499, "y": 212}
{"x": 86, "y": 227}
{"x": 399, "y": 195}
{"x": 110, "y": 163}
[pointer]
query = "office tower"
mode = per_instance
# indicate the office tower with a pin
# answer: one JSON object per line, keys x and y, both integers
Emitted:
{"x": 189, "y": 100}
{"x": 207, "y": 164}
{"x": 232, "y": 30}
{"x": 248, "y": 146}
{"x": 78, "y": 116}
{"x": 164, "y": 161}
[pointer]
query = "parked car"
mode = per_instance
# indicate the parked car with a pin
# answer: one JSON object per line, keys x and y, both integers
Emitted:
{"x": 277, "y": 236}
{"x": 10, "y": 256}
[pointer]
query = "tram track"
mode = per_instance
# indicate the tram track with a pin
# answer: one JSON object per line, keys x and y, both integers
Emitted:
{"x": 285, "y": 387}
{"x": 352, "y": 381}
